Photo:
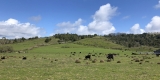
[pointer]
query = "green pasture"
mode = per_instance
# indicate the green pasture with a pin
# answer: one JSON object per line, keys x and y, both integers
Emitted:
{"x": 28, "y": 44}
{"x": 55, "y": 62}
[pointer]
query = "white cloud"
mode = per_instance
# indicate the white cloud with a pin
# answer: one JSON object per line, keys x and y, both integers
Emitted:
{"x": 104, "y": 13}
{"x": 82, "y": 30}
{"x": 99, "y": 25}
{"x": 154, "y": 25}
{"x": 36, "y": 18}
{"x": 136, "y": 29}
{"x": 143, "y": 17}
{"x": 125, "y": 17}
{"x": 69, "y": 27}
{"x": 12, "y": 28}
{"x": 158, "y": 5}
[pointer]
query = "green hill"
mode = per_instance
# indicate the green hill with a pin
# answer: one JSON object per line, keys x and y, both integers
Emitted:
{"x": 95, "y": 42}
{"x": 31, "y": 44}
{"x": 99, "y": 42}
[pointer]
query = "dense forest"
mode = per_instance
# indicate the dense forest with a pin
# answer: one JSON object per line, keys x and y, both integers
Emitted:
{"x": 135, "y": 40}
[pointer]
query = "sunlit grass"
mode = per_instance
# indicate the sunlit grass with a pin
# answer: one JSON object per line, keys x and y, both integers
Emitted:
{"x": 57, "y": 63}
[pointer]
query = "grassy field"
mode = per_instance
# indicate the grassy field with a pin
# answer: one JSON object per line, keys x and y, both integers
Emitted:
{"x": 55, "y": 62}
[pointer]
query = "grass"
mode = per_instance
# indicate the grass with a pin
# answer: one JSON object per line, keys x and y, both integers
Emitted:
{"x": 99, "y": 42}
{"x": 31, "y": 43}
{"x": 41, "y": 65}
{"x": 55, "y": 62}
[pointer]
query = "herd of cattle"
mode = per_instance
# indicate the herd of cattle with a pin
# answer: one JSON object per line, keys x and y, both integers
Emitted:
{"x": 109, "y": 56}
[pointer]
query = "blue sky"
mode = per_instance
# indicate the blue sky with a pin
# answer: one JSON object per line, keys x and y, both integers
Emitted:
{"x": 28, "y": 18}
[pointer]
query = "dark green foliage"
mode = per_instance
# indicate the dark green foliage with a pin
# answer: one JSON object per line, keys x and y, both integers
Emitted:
{"x": 135, "y": 40}
{"x": 47, "y": 40}
{"x": 36, "y": 37}
{"x": 72, "y": 37}
{"x": 23, "y": 39}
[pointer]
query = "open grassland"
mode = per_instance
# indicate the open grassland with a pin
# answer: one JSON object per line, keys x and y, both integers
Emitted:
{"x": 102, "y": 42}
{"x": 55, "y": 62}
{"x": 99, "y": 42}
{"x": 29, "y": 44}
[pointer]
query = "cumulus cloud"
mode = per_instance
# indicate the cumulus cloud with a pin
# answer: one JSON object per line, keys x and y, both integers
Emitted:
{"x": 154, "y": 25}
{"x": 158, "y": 5}
{"x": 68, "y": 26}
{"x": 136, "y": 29}
{"x": 35, "y": 18}
{"x": 99, "y": 25}
{"x": 12, "y": 28}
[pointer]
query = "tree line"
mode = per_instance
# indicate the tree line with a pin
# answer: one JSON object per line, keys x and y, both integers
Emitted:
{"x": 65, "y": 37}
{"x": 135, "y": 40}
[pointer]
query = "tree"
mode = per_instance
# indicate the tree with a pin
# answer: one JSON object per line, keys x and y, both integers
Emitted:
{"x": 47, "y": 40}
{"x": 23, "y": 39}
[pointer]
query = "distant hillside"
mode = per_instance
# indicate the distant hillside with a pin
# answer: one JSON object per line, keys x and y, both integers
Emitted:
{"x": 135, "y": 40}
{"x": 99, "y": 42}
{"x": 31, "y": 44}
{"x": 140, "y": 42}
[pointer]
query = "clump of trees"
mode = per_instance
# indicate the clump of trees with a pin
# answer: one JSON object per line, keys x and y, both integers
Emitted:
{"x": 47, "y": 40}
{"x": 135, "y": 40}
{"x": 4, "y": 40}
{"x": 71, "y": 37}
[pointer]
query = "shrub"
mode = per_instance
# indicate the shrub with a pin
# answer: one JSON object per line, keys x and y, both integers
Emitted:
{"x": 101, "y": 61}
{"x": 4, "y": 49}
{"x": 56, "y": 60}
{"x": 77, "y": 61}
{"x": 118, "y": 61}
{"x": 136, "y": 60}
{"x": 94, "y": 61}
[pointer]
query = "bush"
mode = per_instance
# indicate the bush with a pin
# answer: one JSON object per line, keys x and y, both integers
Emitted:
{"x": 77, "y": 61}
{"x": 101, "y": 61}
{"x": 4, "y": 49}
{"x": 118, "y": 61}
{"x": 47, "y": 40}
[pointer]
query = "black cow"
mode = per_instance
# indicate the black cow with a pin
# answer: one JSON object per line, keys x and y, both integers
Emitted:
{"x": 88, "y": 57}
{"x": 24, "y": 58}
{"x": 3, "y": 57}
{"x": 157, "y": 52}
{"x": 157, "y": 55}
{"x": 110, "y": 56}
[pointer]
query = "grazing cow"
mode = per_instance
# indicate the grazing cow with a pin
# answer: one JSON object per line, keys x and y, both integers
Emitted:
{"x": 3, "y": 57}
{"x": 157, "y": 52}
{"x": 24, "y": 58}
{"x": 134, "y": 53}
{"x": 88, "y": 57}
{"x": 110, "y": 56}
{"x": 157, "y": 55}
